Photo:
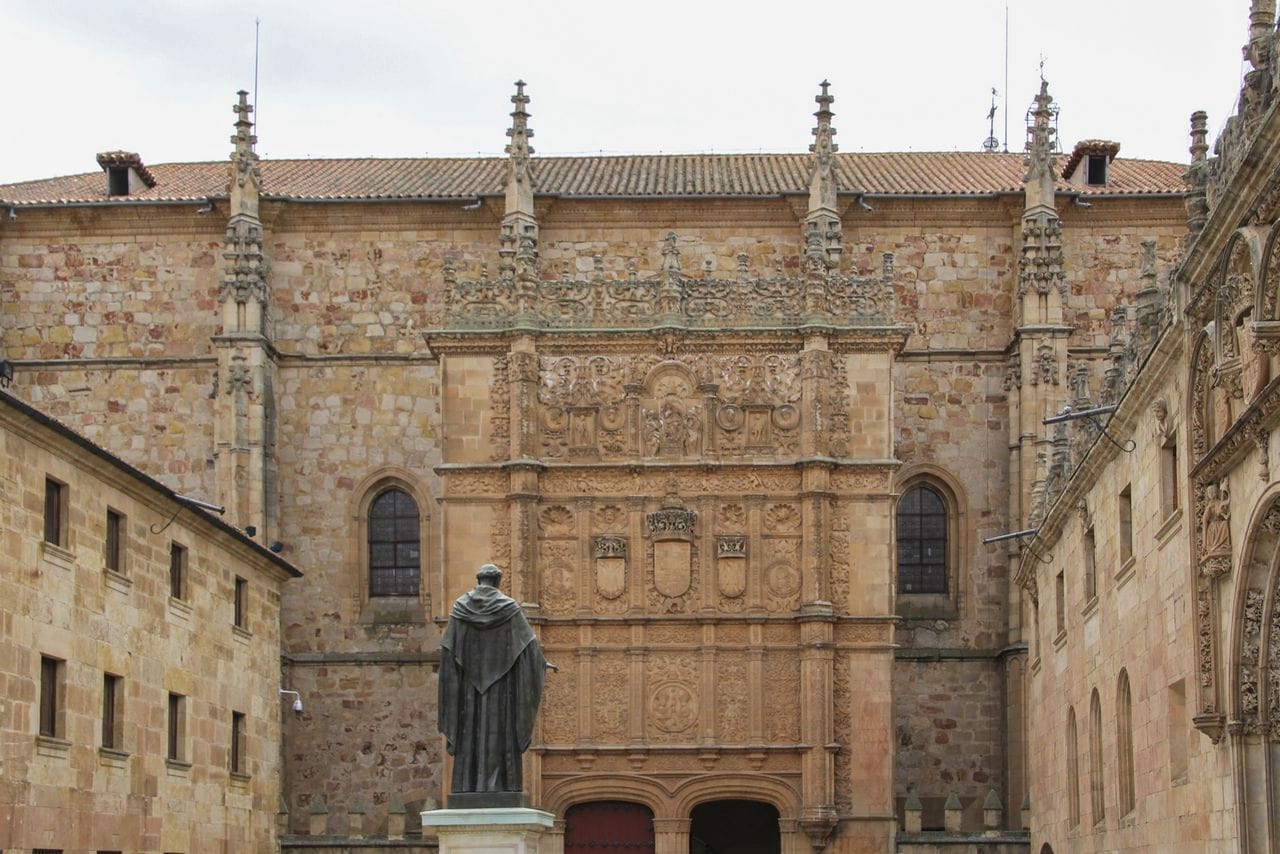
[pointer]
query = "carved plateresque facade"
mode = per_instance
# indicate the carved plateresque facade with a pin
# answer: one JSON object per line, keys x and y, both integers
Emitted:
{"x": 671, "y": 463}
{"x": 677, "y": 399}
{"x": 1159, "y": 673}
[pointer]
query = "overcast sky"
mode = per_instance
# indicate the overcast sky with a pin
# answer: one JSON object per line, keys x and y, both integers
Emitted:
{"x": 392, "y": 79}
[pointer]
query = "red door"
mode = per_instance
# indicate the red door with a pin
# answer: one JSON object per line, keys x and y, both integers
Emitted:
{"x": 617, "y": 827}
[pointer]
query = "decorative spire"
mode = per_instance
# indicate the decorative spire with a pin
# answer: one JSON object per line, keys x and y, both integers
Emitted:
{"x": 1041, "y": 144}
{"x": 246, "y": 182}
{"x": 244, "y": 281}
{"x": 823, "y": 218}
{"x": 1197, "y": 201}
{"x": 519, "y": 226}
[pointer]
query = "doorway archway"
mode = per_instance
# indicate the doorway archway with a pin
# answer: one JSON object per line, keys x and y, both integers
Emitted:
{"x": 734, "y": 827}
{"x": 608, "y": 825}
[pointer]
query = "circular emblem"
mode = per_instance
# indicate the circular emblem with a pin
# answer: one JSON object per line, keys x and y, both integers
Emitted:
{"x": 673, "y": 707}
{"x": 786, "y": 417}
{"x": 729, "y": 417}
{"x": 782, "y": 578}
{"x": 613, "y": 418}
{"x": 554, "y": 418}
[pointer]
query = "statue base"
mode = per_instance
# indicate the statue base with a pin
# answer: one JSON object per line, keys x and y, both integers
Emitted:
{"x": 493, "y": 830}
{"x": 488, "y": 800}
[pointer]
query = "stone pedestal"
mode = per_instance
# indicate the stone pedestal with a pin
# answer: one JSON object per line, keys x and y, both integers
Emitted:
{"x": 499, "y": 830}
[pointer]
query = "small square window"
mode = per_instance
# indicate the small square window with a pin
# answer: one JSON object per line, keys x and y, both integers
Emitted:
{"x": 55, "y": 512}
{"x": 52, "y": 687}
{"x": 177, "y": 730}
{"x": 177, "y": 571}
{"x": 114, "y": 546}
{"x": 241, "y": 604}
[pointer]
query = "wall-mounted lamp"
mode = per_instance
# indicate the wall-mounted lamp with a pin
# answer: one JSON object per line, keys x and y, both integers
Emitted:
{"x": 6, "y": 373}
{"x": 203, "y": 505}
{"x": 297, "y": 699}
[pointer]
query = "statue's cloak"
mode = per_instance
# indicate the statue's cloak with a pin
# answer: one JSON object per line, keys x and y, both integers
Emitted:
{"x": 491, "y": 676}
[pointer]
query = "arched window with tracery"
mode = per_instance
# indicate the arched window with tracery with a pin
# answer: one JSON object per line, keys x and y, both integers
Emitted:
{"x": 1097, "y": 792}
{"x": 922, "y": 541}
{"x": 395, "y": 544}
{"x": 1124, "y": 744}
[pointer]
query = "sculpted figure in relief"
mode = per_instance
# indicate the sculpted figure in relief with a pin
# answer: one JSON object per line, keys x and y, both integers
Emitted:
{"x": 1215, "y": 521}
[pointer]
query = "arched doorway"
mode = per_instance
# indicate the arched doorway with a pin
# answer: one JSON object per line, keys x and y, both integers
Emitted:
{"x": 734, "y": 827}
{"x": 614, "y": 825}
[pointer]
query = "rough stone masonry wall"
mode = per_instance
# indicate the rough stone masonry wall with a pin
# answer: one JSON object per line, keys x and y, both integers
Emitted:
{"x": 950, "y": 738}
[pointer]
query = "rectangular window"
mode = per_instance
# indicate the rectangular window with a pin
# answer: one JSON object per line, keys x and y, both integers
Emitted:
{"x": 1178, "y": 731}
{"x": 1060, "y": 598}
{"x": 1089, "y": 547}
{"x": 1096, "y": 170}
{"x": 241, "y": 605}
{"x": 55, "y": 512}
{"x": 237, "y": 743}
{"x": 51, "y": 674}
{"x": 114, "y": 557}
{"x": 177, "y": 727}
{"x": 112, "y": 701}
{"x": 1169, "y": 477}
{"x": 177, "y": 571}
{"x": 1125, "y": 513}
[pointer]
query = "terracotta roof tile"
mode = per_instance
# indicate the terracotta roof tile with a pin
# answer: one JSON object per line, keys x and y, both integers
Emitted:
{"x": 891, "y": 173}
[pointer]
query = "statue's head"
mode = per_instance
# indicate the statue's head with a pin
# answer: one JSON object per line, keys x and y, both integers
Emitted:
{"x": 489, "y": 574}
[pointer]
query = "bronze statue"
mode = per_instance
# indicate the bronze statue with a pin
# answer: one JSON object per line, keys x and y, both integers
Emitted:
{"x": 491, "y": 676}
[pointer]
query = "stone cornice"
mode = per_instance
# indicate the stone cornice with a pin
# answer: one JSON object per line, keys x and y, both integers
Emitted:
{"x": 671, "y": 339}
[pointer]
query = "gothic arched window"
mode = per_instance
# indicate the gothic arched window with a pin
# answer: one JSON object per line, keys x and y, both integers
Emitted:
{"x": 922, "y": 541}
{"x": 1097, "y": 792}
{"x": 394, "y": 545}
{"x": 1124, "y": 744}
{"x": 1073, "y": 771}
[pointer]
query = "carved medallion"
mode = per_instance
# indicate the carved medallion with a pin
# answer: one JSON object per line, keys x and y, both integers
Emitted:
{"x": 673, "y": 707}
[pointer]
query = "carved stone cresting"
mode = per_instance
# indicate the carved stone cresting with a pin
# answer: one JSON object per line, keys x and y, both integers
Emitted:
{"x": 842, "y": 299}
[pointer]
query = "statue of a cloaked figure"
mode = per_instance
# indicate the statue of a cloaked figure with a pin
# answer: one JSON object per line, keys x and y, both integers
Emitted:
{"x": 491, "y": 676}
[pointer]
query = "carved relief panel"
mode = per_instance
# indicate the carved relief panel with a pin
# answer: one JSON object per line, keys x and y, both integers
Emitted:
{"x": 642, "y": 406}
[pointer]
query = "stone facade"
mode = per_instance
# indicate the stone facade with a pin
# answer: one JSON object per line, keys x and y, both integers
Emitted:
{"x": 1153, "y": 578}
{"x": 71, "y": 778}
{"x": 679, "y": 399}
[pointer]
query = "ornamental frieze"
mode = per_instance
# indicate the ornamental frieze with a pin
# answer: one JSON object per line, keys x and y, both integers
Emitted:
{"x": 821, "y": 295}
